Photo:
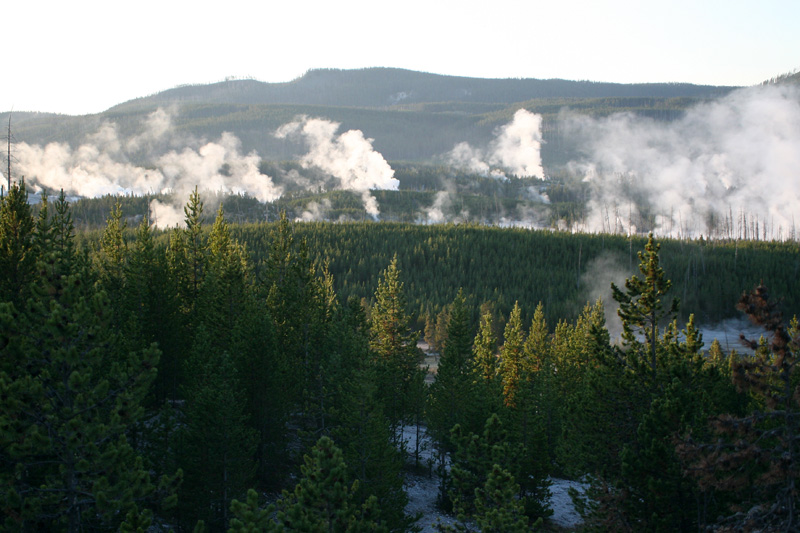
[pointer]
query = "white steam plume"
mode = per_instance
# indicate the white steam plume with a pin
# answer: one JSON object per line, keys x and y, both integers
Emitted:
{"x": 516, "y": 148}
{"x": 101, "y": 165}
{"x": 596, "y": 281}
{"x": 723, "y": 163}
{"x": 435, "y": 214}
{"x": 315, "y": 211}
{"x": 348, "y": 157}
{"x": 442, "y": 209}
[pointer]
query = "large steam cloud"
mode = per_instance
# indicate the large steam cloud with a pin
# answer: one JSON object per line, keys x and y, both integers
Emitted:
{"x": 728, "y": 168}
{"x": 516, "y": 149}
{"x": 348, "y": 157}
{"x": 101, "y": 166}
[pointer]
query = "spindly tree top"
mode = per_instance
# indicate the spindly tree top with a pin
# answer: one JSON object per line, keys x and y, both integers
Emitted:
{"x": 640, "y": 305}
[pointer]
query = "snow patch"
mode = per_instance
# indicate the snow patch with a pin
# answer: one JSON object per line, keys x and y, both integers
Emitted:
{"x": 564, "y": 513}
{"x": 422, "y": 490}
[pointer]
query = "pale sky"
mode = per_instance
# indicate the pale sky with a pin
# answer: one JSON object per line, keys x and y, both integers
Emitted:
{"x": 84, "y": 56}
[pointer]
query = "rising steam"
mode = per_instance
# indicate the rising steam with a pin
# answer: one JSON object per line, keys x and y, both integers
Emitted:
{"x": 102, "y": 165}
{"x": 348, "y": 157}
{"x": 728, "y": 168}
{"x": 516, "y": 149}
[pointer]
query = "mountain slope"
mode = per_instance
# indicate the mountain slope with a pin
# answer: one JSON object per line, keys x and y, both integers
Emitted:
{"x": 412, "y": 116}
{"x": 385, "y": 87}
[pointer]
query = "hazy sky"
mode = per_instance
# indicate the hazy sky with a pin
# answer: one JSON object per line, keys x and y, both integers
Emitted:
{"x": 84, "y": 56}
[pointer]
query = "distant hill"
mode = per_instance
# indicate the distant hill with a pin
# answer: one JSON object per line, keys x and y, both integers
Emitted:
{"x": 387, "y": 87}
{"x": 790, "y": 78}
{"x": 412, "y": 116}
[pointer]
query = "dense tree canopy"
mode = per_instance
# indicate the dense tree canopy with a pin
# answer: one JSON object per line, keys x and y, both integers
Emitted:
{"x": 249, "y": 359}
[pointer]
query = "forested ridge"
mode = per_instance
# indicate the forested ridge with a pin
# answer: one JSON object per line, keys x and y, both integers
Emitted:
{"x": 257, "y": 377}
{"x": 412, "y": 116}
{"x": 562, "y": 270}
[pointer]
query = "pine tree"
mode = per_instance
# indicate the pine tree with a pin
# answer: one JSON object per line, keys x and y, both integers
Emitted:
{"x": 451, "y": 395}
{"x": 399, "y": 377}
{"x": 358, "y": 424}
{"x": 187, "y": 258}
{"x": 17, "y": 251}
{"x": 323, "y": 501}
{"x": 248, "y": 517}
{"x": 484, "y": 351}
{"x": 756, "y": 457}
{"x": 497, "y": 508}
{"x": 153, "y": 307}
{"x": 261, "y": 374}
{"x": 227, "y": 280}
{"x": 111, "y": 258}
{"x": 71, "y": 403}
{"x": 540, "y": 375}
{"x": 473, "y": 460}
{"x": 292, "y": 293}
{"x": 642, "y": 311}
{"x": 217, "y": 446}
{"x": 511, "y": 367}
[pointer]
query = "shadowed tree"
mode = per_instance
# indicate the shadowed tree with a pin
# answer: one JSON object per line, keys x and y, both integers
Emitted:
{"x": 757, "y": 457}
{"x": 71, "y": 403}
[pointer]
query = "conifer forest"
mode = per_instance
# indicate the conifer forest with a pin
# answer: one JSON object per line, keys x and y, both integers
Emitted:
{"x": 261, "y": 376}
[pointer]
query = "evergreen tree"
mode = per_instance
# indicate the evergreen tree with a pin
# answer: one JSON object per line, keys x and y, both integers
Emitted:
{"x": 261, "y": 375}
{"x": 187, "y": 258}
{"x": 485, "y": 345}
{"x": 473, "y": 460}
{"x": 641, "y": 396}
{"x": 756, "y": 457}
{"x": 70, "y": 403}
{"x": 540, "y": 375}
{"x": 17, "y": 251}
{"x": 216, "y": 446}
{"x": 292, "y": 294}
{"x": 399, "y": 377}
{"x": 642, "y": 311}
{"x": 153, "y": 306}
{"x": 497, "y": 508}
{"x": 451, "y": 395}
{"x": 323, "y": 501}
{"x": 358, "y": 424}
{"x": 248, "y": 517}
{"x": 111, "y": 258}
{"x": 511, "y": 367}
{"x": 223, "y": 292}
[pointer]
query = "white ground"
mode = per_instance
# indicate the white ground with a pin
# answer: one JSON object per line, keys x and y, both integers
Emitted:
{"x": 423, "y": 489}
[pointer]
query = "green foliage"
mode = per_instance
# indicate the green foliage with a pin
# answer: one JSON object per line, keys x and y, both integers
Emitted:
{"x": 259, "y": 360}
{"x": 637, "y": 399}
{"x": 323, "y": 500}
{"x": 511, "y": 367}
{"x": 476, "y": 494}
{"x": 497, "y": 509}
{"x": 71, "y": 402}
{"x": 452, "y": 397}
{"x": 17, "y": 252}
{"x": 248, "y": 517}
{"x": 755, "y": 457}
{"x": 217, "y": 445}
{"x": 641, "y": 310}
{"x": 394, "y": 343}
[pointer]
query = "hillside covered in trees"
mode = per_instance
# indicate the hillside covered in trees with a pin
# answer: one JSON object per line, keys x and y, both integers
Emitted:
{"x": 412, "y": 116}
{"x": 257, "y": 377}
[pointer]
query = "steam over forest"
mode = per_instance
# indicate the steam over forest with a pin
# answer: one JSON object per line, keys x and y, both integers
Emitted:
{"x": 277, "y": 307}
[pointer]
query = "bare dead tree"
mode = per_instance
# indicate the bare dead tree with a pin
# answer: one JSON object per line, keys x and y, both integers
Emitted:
{"x": 10, "y": 142}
